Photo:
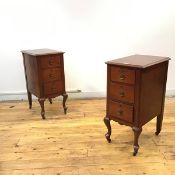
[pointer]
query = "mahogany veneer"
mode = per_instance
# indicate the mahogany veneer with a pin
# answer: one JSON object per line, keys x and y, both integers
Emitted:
{"x": 135, "y": 92}
{"x": 44, "y": 74}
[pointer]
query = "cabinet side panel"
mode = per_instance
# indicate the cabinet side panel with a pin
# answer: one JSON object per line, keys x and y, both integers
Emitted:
{"x": 107, "y": 92}
{"x": 63, "y": 74}
{"x": 137, "y": 98}
{"x": 152, "y": 91}
{"x": 31, "y": 70}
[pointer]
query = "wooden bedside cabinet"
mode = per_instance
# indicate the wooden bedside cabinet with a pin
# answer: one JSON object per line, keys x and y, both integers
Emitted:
{"x": 135, "y": 92}
{"x": 44, "y": 74}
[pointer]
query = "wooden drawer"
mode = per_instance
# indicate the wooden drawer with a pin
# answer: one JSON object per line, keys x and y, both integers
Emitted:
{"x": 121, "y": 74}
{"x": 120, "y": 111}
{"x": 53, "y": 88}
{"x": 51, "y": 74}
{"x": 121, "y": 92}
{"x": 50, "y": 61}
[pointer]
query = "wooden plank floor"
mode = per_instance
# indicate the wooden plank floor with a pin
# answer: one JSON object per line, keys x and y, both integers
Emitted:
{"x": 74, "y": 144}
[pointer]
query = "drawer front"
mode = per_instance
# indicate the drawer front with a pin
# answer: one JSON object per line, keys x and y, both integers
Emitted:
{"x": 53, "y": 88}
{"x": 51, "y": 74}
{"x": 121, "y": 92}
{"x": 120, "y": 111}
{"x": 50, "y": 61}
{"x": 123, "y": 75}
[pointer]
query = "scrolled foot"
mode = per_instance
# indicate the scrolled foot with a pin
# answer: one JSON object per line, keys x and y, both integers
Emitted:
{"x": 157, "y": 133}
{"x": 137, "y": 131}
{"x": 50, "y": 100}
{"x": 136, "y": 148}
{"x": 41, "y": 102}
{"x": 108, "y": 137}
{"x": 65, "y": 110}
{"x": 108, "y": 125}
{"x": 43, "y": 115}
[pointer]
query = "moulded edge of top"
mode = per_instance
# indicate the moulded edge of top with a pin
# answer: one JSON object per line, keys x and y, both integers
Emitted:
{"x": 127, "y": 64}
{"x": 38, "y": 52}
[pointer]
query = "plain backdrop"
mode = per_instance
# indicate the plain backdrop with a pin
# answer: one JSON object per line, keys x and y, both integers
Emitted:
{"x": 90, "y": 32}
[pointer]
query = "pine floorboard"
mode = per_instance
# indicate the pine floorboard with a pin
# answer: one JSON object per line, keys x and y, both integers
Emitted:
{"x": 74, "y": 144}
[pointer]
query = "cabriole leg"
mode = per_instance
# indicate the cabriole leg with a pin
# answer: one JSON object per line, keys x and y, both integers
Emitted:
{"x": 50, "y": 100}
{"x": 108, "y": 125}
{"x": 41, "y": 102}
{"x": 65, "y": 96}
{"x": 137, "y": 132}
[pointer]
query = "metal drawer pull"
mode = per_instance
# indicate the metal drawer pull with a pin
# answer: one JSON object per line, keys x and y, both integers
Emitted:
{"x": 51, "y": 61}
{"x": 120, "y": 112}
{"x": 53, "y": 89}
{"x": 50, "y": 75}
{"x": 122, "y": 77}
{"x": 122, "y": 94}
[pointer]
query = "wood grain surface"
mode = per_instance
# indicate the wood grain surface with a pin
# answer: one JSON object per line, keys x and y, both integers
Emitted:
{"x": 74, "y": 144}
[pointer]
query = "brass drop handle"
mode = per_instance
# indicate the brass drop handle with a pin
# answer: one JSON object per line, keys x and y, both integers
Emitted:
{"x": 51, "y": 62}
{"x": 50, "y": 75}
{"x": 120, "y": 112}
{"x": 122, "y": 94}
{"x": 122, "y": 77}
{"x": 53, "y": 87}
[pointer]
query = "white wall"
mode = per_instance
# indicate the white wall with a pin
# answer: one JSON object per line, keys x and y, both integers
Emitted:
{"x": 89, "y": 31}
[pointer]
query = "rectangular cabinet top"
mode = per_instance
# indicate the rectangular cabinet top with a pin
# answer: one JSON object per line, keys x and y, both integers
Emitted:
{"x": 138, "y": 61}
{"x": 38, "y": 52}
